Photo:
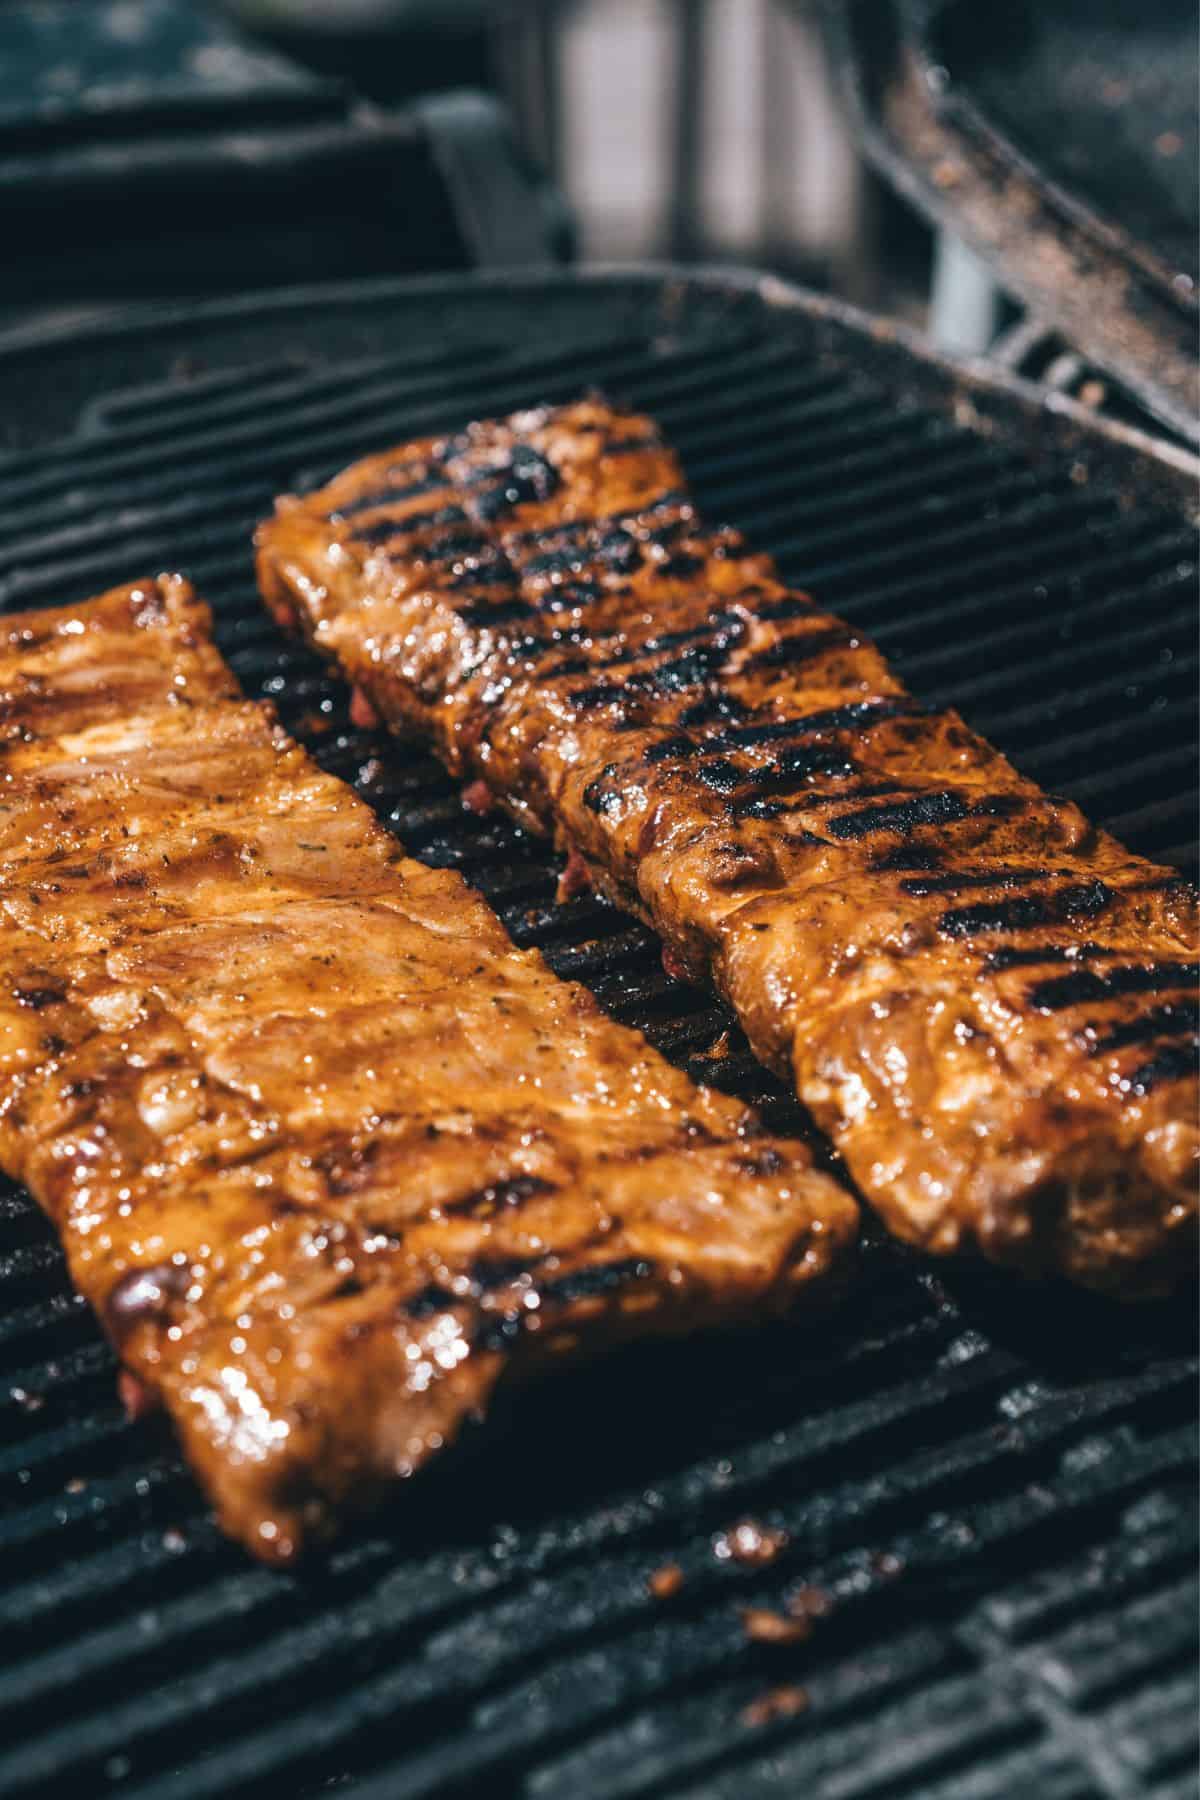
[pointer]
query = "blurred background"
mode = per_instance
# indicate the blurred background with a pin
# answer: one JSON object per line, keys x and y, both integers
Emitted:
{"x": 693, "y": 129}
{"x": 158, "y": 149}
{"x": 680, "y": 128}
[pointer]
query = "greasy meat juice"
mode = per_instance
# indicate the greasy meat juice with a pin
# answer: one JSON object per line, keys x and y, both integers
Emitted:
{"x": 988, "y": 1003}
{"x": 327, "y": 1154}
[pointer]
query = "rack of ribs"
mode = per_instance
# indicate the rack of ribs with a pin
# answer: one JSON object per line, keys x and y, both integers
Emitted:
{"x": 328, "y": 1156}
{"x": 986, "y": 1002}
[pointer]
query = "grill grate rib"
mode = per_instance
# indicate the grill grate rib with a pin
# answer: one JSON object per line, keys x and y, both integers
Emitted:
{"x": 996, "y": 1498}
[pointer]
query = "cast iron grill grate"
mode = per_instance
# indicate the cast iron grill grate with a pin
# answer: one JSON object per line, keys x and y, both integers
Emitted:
{"x": 990, "y": 1495}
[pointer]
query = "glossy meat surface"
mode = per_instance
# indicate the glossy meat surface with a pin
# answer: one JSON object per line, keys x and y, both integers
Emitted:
{"x": 327, "y": 1154}
{"x": 988, "y": 1003}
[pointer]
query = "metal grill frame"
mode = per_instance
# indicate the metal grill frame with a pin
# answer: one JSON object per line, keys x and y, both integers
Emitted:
{"x": 992, "y": 1489}
{"x": 1076, "y": 272}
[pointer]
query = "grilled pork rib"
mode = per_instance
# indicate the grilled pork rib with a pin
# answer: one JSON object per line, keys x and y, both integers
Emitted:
{"x": 327, "y": 1154}
{"x": 988, "y": 1003}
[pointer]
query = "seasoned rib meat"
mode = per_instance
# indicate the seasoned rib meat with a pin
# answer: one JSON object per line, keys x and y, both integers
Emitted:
{"x": 988, "y": 1003}
{"x": 327, "y": 1154}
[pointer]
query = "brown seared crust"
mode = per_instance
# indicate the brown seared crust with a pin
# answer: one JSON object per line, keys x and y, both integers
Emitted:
{"x": 988, "y": 1003}
{"x": 327, "y": 1154}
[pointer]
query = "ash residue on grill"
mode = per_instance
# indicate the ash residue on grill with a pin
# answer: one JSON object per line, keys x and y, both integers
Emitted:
{"x": 992, "y": 1489}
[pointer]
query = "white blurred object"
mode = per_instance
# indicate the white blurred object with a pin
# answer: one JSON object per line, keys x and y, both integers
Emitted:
{"x": 615, "y": 61}
{"x": 774, "y": 171}
{"x": 964, "y": 310}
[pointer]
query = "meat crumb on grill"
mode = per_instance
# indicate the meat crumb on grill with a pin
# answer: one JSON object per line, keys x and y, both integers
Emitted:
{"x": 666, "y": 1582}
{"x": 478, "y": 797}
{"x": 362, "y": 712}
{"x": 139, "y": 1401}
{"x": 673, "y": 964}
{"x": 777, "y": 1703}
{"x": 575, "y": 879}
{"x": 766, "y": 1627}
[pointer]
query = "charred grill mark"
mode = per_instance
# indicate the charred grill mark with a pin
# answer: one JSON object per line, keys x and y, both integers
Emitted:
{"x": 714, "y": 636}
{"x": 381, "y": 531}
{"x": 957, "y": 879}
{"x": 443, "y": 549}
{"x": 487, "y": 1276}
{"x": 696, "y": 668}
{"x": 495, "y": 491}
{"x": 792, "y": 652}
{"x": 714, "y": 706}
{"x": 721, "y": 775}
{"x": 1171, "y": 1064}
{"x": 485, "y": 569}
{"x": 672, "y": 749}
{"x": 499, "y": 1333}
{"x": 496, "y": 612}
{"x": 531, "y": 646}
{"x": 640, "y": 524}
{"x": 699, "y": 664}
{"x": 454, "y": 545}
{"x": 551, "y": 666}
{"x": 859, "y": 716}
{"x": 866, "y": 790}
{"x": 499, "y": 1194}
{"x": 755, "y": 807}
{"x": 731, "y": 625}
{"x": 1084, "y": 899}
{"x": 615, "y": 551}
{"x": 788, "y": 774}
{"x": 794, "y": 767}
{"x": 1090, "y": 985}
{"x": 555, "y": 562}
{"x": 487, "y": 1273}
{"x": 587, "y": 699}
{"x": 38, "y": 998}
{"x": 595, "y": 1281}
{"x": 1011, "y": 958}
{"x": 570, "y": 535}
{"x": 1176, "y": 1019}
{"x": 571, "y": 597}
{"x": 681, "y": 565}
{"x": 908, "y": 856}
{"x": 943, "y": 808}
{"x": 692, "y": 670}
{"x": 633, "y": 446}
{"x": 599, "y": 798}
{"x": 711, "y": 640}
{"x": 432, "y": 1298}
{"x": 619, "y": 550}
{"x": 484, "y": 1276}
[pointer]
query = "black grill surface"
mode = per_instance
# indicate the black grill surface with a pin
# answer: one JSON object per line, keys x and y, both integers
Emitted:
{"x": 988, "y": 1491}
